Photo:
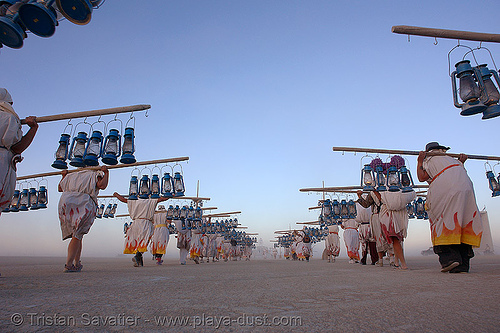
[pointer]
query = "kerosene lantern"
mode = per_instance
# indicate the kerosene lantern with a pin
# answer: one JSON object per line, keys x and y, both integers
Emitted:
{"x": 326, "y": 208}
{"x": 393, "y": 179}
{"x": 78, "y": 150}
{"x": 420, "y": 208}
{"x": 335, "y": 209}
{"x": 144, "y": 187}
{"x": 24, "y": 202}
{"x": 14, "y": 202}
{"x": 344, "y": 211}
{"x": 76, "y": 11}
{"x": 167, "y": 185}
{"x": 198, "y": 213}
{"x": 62, "y": 152}
{"x": 111, "y": 148}
{"x": 351, "y": 208}
{"x": 107, "y": 211}
{"x": 178, "y": 185}
{"x": 469, "y": 90}
{"x": 112, "y": 212}
{"x": 133, "y": 188}
{"x": 39, "y": 17}
{"x": 128, "y": 148}
{"x": 12, "y": 29}
{"x": 43, "y": 198}
{"x": 100, "y": 211}
{"x": 406, "y": 179}
{"x": 379, "y": 171}
{"x": 33, "y": 199}
{"x": 493, "y": 183}
{"x": 93, "y": 151}
{"x": 177, "y": 212}
{"x": 367, "y": 178}
{"x": 410, "y": 209}
{"x": 489, "y": 95}
{"x": 155, "y": 186}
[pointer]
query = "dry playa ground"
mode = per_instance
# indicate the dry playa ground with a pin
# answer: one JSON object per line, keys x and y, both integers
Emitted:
{"x": 260, "y": 295}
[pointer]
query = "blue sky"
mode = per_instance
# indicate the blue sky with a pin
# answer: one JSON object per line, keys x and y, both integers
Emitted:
{"x": 255, "y": 93}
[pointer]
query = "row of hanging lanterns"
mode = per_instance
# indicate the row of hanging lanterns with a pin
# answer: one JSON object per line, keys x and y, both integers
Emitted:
{"x": 316, "y": 234}
{"x": 28, "y": 199}
{"x": 392, "y": 176}
{"x": 416, "y": 209}
{"x": 334, "y": 210}
{"x": 478, "y": 87}
{"x": 108, "y": 211}
{"x": 40, "y": 17}
{"x": 146, "y": 187}
{"x": 84, "y": 151}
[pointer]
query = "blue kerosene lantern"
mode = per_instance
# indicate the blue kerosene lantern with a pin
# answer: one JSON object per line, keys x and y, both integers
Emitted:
{"x": 178, "y": 185}
{"x": 406, "y": 179}
{"x": 410, "y": 209}
{"x": 379, "y": 171}
{"x": 76, "y": 11}
{"x": 24, "y": 202}
{"x": 351, "y": 208}
{"x": 12, "y": 29}
{"x": 39, "y": 17}
{"x": 93, "y": 150}
{"x": 14, "y": 202}
{"x": 344, "y": 211}
{"x": 393, "y": 179}
{"x": 43, "y": 198}
{"x": 469, "y": 90}
{"x": 78, "y": 150}
{"x": 335, "y": 209}
{"x": 111, "y": 148}
{"x": 100, "y": 211}
{"x": 62, "y": 152}
{"x": 107, "y": 211}
{"x": 155, "y": 187}
{"x": 144, "y": 187}
{"x": 128, "y": 148}
{"x": 490, "y": 94}
{"x": 167, "y": 185}
{"x": 367, "y": 178}
{"x": 420, "y": 208}
{"x": 33, "y": 199}
{"x": 493, "y": 183}
{"x": 133, "y": 188}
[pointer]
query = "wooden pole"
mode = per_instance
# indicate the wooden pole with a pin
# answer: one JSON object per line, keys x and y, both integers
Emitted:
{"x": 444, "y": 33}
{"x": 222, "y": 214}
{"x": 312, "y": 222}
{"x": 83, "y": 114}
{"x": 410, "y": 152}
{"x": 343, "y": 188}
{"x": 118, "y": 166}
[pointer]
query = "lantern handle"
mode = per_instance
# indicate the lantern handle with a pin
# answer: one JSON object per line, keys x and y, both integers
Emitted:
{"x": 182, "y": 172}
{"x": 129, "y": 119}
{"x": 166, "y": 165}
{"x": 157, "y": 167}
{"x": 449, "y": 53}
{"x": 138, "y": 172}
{"x": 480, "y": 47}
{"x": 99, "y": 121}
{"x": 488, "y": 164}
{"x": 117, "y": 120}
{"x": 361, "y": 161}
{"x": 68, "y": 124}
{"x": 146, "y": 167}
{"x": 46, "y": 182}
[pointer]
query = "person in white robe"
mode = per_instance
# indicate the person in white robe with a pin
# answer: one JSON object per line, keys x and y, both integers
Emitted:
{"x": 219, "y": 241}
{"x": 77, "y": 209}
{"x": 332, "y": 242}
{"x": 351, "y": 239}
{"x": 394, "y": 221}
{"x": 12, "y": 144}
{"x": 454, "y": 218}
{"x": 183, "y": 240}
{"x": 196, "y": 249}
{"x": 368, "y": 244}
{"x": 141, "y": 212}
{"x": 161, "y": 234}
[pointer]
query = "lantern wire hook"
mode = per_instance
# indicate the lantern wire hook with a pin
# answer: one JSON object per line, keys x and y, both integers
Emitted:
{"x": 435, "y": 41}
{"x": 449, "y": 53}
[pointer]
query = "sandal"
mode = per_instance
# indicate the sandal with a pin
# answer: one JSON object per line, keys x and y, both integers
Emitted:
{"x": 69, "y": 269}
{"x": 79, "y": 266}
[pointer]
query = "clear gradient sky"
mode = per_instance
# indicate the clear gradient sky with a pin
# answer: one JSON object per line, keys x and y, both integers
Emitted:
{"x": 255, "y": 93}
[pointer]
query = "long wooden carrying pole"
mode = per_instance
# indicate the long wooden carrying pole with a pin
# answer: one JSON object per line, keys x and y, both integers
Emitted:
{"x": 83, "y": 114}
{"x": 343, "y": 188}
{"x": 444, "y": 33}
{"x": 118, "y": 166}
{"x": 410, "y": 152}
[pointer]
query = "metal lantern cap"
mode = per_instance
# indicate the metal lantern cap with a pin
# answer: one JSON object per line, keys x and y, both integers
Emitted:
{"x": 76, "y": 11}
{"x": 38, "y": 18}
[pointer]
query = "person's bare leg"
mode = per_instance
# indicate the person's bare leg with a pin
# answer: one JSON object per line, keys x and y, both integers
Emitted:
{"x": 78, "y": 252}
{"x": 73, "y": 246}
{"x": 398, "y": 253}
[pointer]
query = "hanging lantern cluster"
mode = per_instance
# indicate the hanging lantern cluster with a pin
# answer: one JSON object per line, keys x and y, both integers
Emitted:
{"x": 86, "y": 151}
{"x": 316, "y": 234}
{"x": 478, "y": 87}
{"x": 145, "y": 187}
{"x": 40, "y": 17}
{"x": 493, "y": 183}
{"x": 28, "y": 198}
{"x": 333, "y": 211}
{"x": 393, "y": 176}
{"x": 416, "y": 209}
{"x": 106, "y": 211}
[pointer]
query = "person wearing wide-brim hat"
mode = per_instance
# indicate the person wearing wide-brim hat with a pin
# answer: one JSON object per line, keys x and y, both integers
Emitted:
{"x": 455, "y": 220}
